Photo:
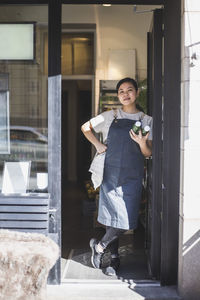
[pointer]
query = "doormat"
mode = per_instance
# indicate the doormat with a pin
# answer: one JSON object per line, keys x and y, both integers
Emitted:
{"x": 133, "y": 265}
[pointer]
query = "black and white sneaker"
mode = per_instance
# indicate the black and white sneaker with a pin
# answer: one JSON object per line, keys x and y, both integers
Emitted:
{"x": 111, "y": 270}
{"x": 96, "y": 256}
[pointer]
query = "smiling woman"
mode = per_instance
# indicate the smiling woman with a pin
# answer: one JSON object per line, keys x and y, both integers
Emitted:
{"x": 120, "y": 191}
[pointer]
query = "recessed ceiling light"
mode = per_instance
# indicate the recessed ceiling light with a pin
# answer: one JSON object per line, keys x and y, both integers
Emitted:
{"x": 106, "y": 4}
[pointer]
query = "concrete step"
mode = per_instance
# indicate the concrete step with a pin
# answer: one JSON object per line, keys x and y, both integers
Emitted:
{"x": 115, "y": 290}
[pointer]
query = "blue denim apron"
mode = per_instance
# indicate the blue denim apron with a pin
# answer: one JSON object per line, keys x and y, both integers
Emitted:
{"x": 120, "y": 191}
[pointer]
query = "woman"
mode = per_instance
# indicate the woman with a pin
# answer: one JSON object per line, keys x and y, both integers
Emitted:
{"x": 120, "y": 191}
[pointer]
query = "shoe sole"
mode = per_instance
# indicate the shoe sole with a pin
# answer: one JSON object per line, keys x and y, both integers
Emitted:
{"x": 112, "y": 271}
{"x": 110, "y": 274}
{"x": 92, "y": 241}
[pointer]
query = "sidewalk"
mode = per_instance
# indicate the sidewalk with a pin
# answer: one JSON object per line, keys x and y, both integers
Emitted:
{"x": 114, "y": 290}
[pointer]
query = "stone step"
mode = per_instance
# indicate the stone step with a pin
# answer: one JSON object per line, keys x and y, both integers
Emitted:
{"x": 91, "y": 290}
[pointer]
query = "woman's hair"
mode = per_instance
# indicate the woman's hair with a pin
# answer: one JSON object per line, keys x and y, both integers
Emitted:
{"x": 127, "y": 79}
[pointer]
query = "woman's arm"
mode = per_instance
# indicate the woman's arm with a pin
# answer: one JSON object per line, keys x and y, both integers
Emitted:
{"x": 144, "y": 143}
{"x": 87, "y": 131}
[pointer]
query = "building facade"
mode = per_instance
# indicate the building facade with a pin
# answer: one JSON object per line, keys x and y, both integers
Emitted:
{"x": 73, "y": 49}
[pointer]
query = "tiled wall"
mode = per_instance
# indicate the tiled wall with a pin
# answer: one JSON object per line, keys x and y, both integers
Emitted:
{"x": 189, "y": 243}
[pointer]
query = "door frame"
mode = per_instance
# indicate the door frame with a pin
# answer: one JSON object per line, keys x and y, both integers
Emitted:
{"x": 155, "y": 106}
{"x": 171, "y": 131}
{"x": 171, "y": 142}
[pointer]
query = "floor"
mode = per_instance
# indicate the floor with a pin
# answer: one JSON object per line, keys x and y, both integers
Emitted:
{"x": 82, "y": 282}
{"x": 79, "y": 227}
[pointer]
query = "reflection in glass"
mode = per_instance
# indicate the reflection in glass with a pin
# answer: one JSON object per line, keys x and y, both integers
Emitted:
{"x": 4, "y": 122}
{"x": 28, "y": 96}
{"x": 16, "y": 177}
{"x": 42, "y": 181}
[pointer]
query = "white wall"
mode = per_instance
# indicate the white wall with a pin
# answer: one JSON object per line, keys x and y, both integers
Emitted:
{"x": 118, "y": 27}
{"x": 189, "y": 244}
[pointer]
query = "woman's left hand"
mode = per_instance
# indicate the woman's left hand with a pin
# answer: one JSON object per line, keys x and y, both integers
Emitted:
{"x": 139, "y": 138}
{"x": 144, "y": 143}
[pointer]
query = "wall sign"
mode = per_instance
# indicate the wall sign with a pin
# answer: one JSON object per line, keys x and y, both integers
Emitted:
{"x": 17, "y": 41}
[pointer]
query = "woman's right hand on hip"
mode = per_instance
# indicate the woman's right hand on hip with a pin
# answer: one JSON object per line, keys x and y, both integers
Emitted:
{"x": 101, "y": 148}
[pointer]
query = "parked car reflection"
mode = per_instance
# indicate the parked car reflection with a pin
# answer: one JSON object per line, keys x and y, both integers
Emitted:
{"x": 27, "y": 143}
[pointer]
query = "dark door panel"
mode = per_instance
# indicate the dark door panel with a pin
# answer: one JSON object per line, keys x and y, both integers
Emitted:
{"x": 154, "y": 165}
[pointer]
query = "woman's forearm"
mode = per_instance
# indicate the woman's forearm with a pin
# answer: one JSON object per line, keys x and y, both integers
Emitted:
{"x": 144, "y": 143}
{"x": 87, "y": 131}
{"x": 146, "y": 148}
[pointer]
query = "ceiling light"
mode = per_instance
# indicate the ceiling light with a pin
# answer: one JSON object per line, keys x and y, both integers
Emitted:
{"x": 107, "y": 5}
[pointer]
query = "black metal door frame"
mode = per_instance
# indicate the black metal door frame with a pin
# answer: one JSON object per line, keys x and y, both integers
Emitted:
{"x": 171, "y": 142}
{"x": 154, "y": 188}
{"x": 171, "y": 130}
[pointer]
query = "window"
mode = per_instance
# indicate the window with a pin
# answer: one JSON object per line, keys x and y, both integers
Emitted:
{"x": 27, "y": 90}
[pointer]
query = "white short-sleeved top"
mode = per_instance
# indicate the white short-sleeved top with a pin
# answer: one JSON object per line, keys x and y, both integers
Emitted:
{"x": 101, "y": 123}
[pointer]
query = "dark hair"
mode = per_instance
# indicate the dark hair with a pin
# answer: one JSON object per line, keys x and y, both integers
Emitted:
{"x": 127, "y": 79}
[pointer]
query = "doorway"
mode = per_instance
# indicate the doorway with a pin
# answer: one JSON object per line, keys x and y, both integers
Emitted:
{"x": 76, "y": 109}
{"x": 76, "y": 155}
{"x": 173, "y": 11}
{"x": 79, "y": 200}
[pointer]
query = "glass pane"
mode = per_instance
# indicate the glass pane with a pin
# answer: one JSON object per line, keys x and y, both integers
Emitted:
{"x": 27, "y": 93}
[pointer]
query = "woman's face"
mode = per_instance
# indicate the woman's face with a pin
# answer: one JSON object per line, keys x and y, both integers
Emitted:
{"x": 127, "y": 93}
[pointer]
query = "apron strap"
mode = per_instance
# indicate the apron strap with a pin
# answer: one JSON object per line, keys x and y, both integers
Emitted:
{"x": 115, "y": 113}
{"x": 142, "y": 116}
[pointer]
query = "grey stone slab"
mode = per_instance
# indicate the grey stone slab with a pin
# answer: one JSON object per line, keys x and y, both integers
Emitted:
{"x": 89, "y": 291}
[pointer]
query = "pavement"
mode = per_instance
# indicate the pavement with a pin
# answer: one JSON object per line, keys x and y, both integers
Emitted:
{"x": 113, "y": 290}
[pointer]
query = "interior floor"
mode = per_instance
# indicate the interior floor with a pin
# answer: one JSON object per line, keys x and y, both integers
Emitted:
{"x": 79, "y": 226}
